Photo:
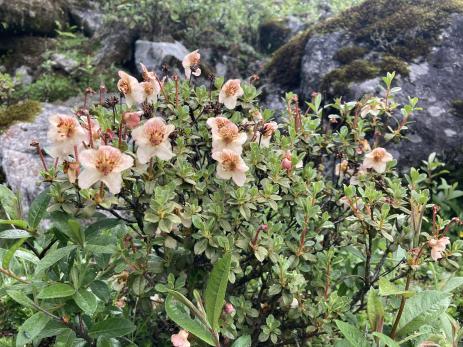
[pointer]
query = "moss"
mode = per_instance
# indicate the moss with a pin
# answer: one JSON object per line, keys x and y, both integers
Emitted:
{"x": 348, "y": 54}
{"x": 457, "y": 107}
{"x": 405, "y": 29}
{"x": 272, "y": 35}
{"x": 391, "y": 63}
{"x": 337, "y": 81}
{"x": 24, "y": 111}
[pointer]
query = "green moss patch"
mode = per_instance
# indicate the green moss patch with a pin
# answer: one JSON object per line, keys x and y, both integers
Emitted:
{"x": 457, "y": 107}
{"x": 396, "y": 31}
{"x": 24, "y": 111}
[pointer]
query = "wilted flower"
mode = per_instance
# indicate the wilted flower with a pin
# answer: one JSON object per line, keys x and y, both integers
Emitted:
{"x": 180, "y": 339}
{"x": 363, "y": 147}
{"x": 152, "y": 139}
{"x": 333, "y": 118}
{"x": 294, "y": 304}
{"x": 377, "y": 160}
{"x": 438, "y": 246}
{"x": 103, "y": 164}
{"x": 228, "y": 308}
{"x": 373, "y": 107}
{"x": 151, "y": 91}
{"x": 230, "y": 93}
{"x": 230, "y": 165}
{"x": 192, "y": 60}
{"x": 226, "y": 135}
{"x": 121, "y": 302}
{"x": 65, "y": 132}
{"x": 264, "y": 136}
{"x": 132, "y": 90}
{"x": 132, "y": 119}
{"x": 72, "y": 170}
{"x": 355, "y": 179}
{"x": 148, "y": 76}
{"x": 156, "y": 300}
{"x": 119, "y": 281}
{"x": 342, "y": 167}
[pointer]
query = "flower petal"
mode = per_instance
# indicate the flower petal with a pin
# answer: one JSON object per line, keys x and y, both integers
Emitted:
{"x": 87, "y": 158}
{"x": 164, "y": 151}
{"x": 145, "y": 153}
{"x": 113, "y": 181}
{"x": 88, "y": 177}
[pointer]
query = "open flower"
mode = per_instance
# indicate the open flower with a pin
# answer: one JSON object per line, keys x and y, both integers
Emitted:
{"x": 377, "y": 159}
{"x": 103, "y": 164}
{"x": 230, "y": 93}
{"x": 65, "y": 132}
{"x": 148, "y": 76}
{"x": 373, "y": 107}
{"x": 180, "y": 339}
{"x": 230, "y": 165}
{"x": 438, "y": 246}
{"x": 152, "y": 139}
{"x": 264, "y": 136}
{"x": 191, "y": 64}
{"x": 226, "y": 135}
{"x": 132, "y": 90}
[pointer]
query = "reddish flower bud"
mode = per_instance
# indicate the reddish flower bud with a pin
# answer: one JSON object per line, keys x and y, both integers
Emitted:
{"x": 132, "y": 119}
{"x": 228, "y": 308}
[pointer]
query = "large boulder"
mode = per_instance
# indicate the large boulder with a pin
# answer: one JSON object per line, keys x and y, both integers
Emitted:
{"x": 19, "y": 161}
{"x": 87, "y": 15}
{"x": 155, "y": 54}
{"x": 32, "y": 16}
{"x": 422, "y": 40}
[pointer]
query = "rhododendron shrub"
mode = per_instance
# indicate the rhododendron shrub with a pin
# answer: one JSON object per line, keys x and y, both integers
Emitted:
{"x": 182, "y": 214}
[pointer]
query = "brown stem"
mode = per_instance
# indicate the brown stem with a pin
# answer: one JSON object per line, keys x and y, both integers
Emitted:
{"x": 12, "y": 275}
{"x": 401, "y": 309}
{"x": 90, "y": 135}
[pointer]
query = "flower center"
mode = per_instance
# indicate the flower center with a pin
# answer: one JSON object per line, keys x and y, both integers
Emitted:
{"x": 148, "y": 88}
{"x": 123, "y": 86}
{"x": 231, "y": 89}
{"x": 107, "y": 160}
{"x": 229, "y": 132}
{"x": 230, "y": 161}
{"x": 66, "y": 128}
{"x": 155, "y": 133}
{"x": 378, "y": 154}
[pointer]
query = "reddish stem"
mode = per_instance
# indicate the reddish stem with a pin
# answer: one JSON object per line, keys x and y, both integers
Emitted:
{"x": 90, "y": 131}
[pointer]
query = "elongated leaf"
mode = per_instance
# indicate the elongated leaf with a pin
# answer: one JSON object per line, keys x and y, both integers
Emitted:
{"x": 65, "y": 339}
{"x": 423, "y": 308}
{"x": 243, "y": 341}
{"x": 86, "y": 301}
{"x": 14, "y": 234}
{"x": 103, "y": 224}
{"x": 9, "y": 202}
{"x": 176, "y": 312}
{"x": 38, "y": 209}
{"x": 16, "y": 222}
{"x": 215, "y": 291}
{"x": 452, "y": 284}
{"x": 112, "y": 327}
{"x": 375, "y": 309}
{"x": 58, "y": 290}
{"x": 386, "y": 340}
{"x": 31, "y": 328}
{"x": 11, "y": 251}
{"x": 387, "y": 288}
{"x": 352, "y": 334}
{"x": 20, "y": 298}
{"x": 53, "y": 257}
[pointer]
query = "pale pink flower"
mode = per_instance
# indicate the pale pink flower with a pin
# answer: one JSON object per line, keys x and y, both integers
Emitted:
{"x": 132, "y": 119}
{"x": 226, "y": 135}
{"x": 192, "y": 60}
{"x": 341, "y": 168}
{"x": 230, "y": 93}
{"x": 377, "y": 159}
{"x": 131, "y": 88}
{"x": 152, "y": 139}
{"x": 287, "y": 162}
{"x": 151, "y": 90}
{"x": 438, "y": 246}
{"x": 103, "y": 164}
{"x": 65, "y": 132}
{"x": 148, "y": 76}
{"x": 373, "y": 107}
{"x": 230, "y": 165}
{"x": 264, "y": 136}
{"x": 180, "y": 339}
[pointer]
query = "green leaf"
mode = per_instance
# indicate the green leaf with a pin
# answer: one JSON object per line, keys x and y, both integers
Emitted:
{"x": 53, "y": 257}
{"x": 14, "y": 234}
{"x": 103, "y": 224}
{"x": 176, "y": 312}
{"x": 423, "y": 308}
{"x": 65, "y": 339}
{"x": 20, "y": 298}
{"x": 352, "y": 334}
{"x": 38, "y": 209}
{"x": 22, "y": 224}
{"x": 111, "y": 327}
{"x": 387, "y": 288}
{"x": 58, "y": 290}
{"x": 9, "y": 202}
{"x": 375, "y": 309}
{"x": 86, "y": 301}
{"x": 10, "y": 253}
{"x": 243, "y": 341}
{"x": 386, "y": 340}
{"x": 215, "y": 290}
{"x": 31, "y": 328}
{"x": 452, "y": 284}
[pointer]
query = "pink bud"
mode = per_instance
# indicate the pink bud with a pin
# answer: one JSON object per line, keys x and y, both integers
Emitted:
{"x": 286, "y": 164}
{"x": 132, "y": 119}
{"x": 229, "y": 309}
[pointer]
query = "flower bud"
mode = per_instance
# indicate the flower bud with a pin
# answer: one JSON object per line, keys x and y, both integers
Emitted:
{"x": 132, "y": 119}
{"x": 228, "y": 308}
{"x": 286, "y": 164}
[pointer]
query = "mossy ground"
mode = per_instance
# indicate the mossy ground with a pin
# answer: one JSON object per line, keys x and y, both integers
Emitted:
{"x": 24, "y": 111}
{"x": 396, "y": 31}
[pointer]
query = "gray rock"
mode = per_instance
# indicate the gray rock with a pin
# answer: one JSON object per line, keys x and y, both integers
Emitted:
{"x": 61, "y": 62}
{"x": 154, "y": 54}
{"x": 19, "y": 161}
{"x": 87, "y": 16}
{"x": 32, "y": 16}
{"x": 22, "y": 75}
